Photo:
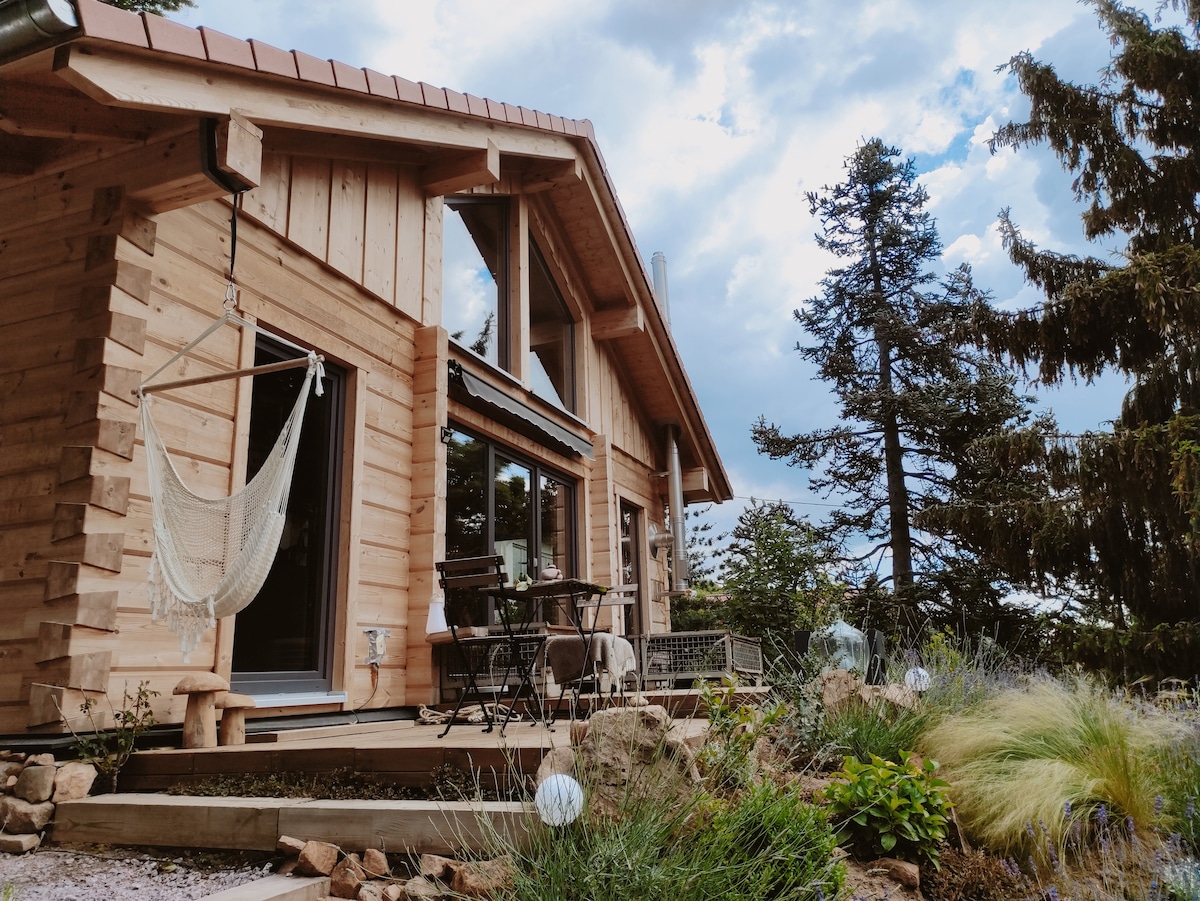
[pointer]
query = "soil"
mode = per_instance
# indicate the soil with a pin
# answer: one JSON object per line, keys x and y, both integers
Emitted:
{"x": 64, "y": 872}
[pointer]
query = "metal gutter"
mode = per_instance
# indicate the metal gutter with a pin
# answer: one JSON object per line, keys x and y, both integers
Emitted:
{"x": 27, "y": 26}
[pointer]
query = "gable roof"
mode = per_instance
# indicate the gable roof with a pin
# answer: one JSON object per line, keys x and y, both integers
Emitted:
{"x": 108, "y": 36}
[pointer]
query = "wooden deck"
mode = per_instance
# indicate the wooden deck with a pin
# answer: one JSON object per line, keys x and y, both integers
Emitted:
{"x": 400, "y": 753}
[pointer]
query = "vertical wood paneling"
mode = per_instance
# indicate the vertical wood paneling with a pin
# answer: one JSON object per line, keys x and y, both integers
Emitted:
{"x": 411, "y": 236}
{"x": 308, "y": 206}
{"x": 269, "y": 201}
{"x": 347, "y": 218}
{"x": 379, "y": 250}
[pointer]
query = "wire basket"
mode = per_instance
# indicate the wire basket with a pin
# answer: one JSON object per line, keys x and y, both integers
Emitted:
{"x": 688, "y": 656}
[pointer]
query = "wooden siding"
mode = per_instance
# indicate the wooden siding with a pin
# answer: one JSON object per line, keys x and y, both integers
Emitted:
{"x": 365, "y": 220}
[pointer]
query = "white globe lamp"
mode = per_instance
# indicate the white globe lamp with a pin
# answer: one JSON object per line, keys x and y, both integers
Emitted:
{"x": 558, "y": 800}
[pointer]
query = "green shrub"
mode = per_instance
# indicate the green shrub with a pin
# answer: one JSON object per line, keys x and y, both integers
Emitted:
{"x": 1028, "y": 764}
{"x": 891, "y": 808}
{"x": 863, "y": 731}
{"x": 727, "y": 755}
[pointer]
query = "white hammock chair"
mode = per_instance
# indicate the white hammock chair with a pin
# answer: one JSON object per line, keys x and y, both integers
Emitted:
{"x": 212, "y": 555}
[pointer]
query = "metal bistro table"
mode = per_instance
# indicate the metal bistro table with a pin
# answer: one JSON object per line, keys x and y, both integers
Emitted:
{"x": 528, "y": 604}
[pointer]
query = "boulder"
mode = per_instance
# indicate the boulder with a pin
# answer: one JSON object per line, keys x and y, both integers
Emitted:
{"x": 317, "y": 859}
{"x": 556, "y": 761}
{"x": 419, "y": 888}
{"x": 35, "y": 784}
{"x": 18, "y": 816}
{"x": 19, "y": 844}
{"x": 290, "y": 846}
{"x": 73, "y": 781}
{"x": 46, "y": 759}
{"x": 903, "y": 872}
{"x": 482, "y": 878}
{"x": 628, "y": 758}
{"x": 375, "y": 863}
{"x": 347, "y": 877}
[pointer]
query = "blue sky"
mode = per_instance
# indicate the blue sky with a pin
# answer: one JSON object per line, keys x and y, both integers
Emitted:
{"x": 716, "y": 116}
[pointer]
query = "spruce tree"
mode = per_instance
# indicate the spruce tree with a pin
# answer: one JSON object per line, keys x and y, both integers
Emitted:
{"x": 1122, "y": 522}
{"x": 912, "y": 400}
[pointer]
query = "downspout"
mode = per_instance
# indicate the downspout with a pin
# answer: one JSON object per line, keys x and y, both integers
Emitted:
{"x": 679, "y": 565}
{"x": 27, "y": 25}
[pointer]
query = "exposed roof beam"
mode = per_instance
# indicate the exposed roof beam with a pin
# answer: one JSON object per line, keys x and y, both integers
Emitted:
{"x": 42, "y": 111}
{"x": 544, "y": 176}
{"x": 199, "y": 89}
{"x": 462, "y": 172}
{"x": 608, "y": 325}
{"x": 295, "y": 142}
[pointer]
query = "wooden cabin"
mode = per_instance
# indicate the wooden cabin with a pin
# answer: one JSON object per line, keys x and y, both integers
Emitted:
{"x": 499, "y": 377}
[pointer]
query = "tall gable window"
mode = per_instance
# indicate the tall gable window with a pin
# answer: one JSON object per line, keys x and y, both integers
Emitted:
{"x": 551, "y": 337}
{"x": 475, "y": 276}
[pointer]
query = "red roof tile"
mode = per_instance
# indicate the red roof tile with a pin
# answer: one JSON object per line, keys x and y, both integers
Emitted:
{"x": 225, "y": 49}
{"x": 495, "y": 110}
{"x": 347, "y": 76}
{"x": 434, "y": 97}
{"x": 273, "y": 60}
{"x": 171, "y": 37}
{"x": 408, "y": 91}
{"x": 99, "y": 20}
{"x": 477, "y": 105}
{"x": 556, "y": 124}
{"x": 512, "y": 114}
{"x": 543, "y": 120}
{"x": 311, "y": 68}
{"x": 381, "y": 85}
{"x": 457, "y": 102}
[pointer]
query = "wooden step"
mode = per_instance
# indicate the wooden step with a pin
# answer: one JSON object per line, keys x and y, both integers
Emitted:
{"x": 276, "y": 888}
{"x": 255, "y": 824}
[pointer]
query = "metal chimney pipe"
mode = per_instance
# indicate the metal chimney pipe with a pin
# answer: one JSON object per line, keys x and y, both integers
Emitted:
{"x": 679, "y": 567}
{"x": 30, "y": 24}
{"x": 658, "y": 267}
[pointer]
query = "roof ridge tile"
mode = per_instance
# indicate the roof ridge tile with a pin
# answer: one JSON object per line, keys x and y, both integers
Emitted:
{"x": 99, "y": 20}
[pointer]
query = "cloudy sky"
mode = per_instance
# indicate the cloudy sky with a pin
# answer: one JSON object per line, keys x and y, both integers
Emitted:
{"x": 715, "y": 117}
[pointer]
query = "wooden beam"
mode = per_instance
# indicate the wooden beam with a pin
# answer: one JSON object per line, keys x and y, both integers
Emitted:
{"x": 36, "y": 110}
{"x": 544, "y": 176}
{"x": 608, "y": 325}
{"x": 198, "y": 89}
{"x": 296, "y": 142}
{"x": 462, "y": 172}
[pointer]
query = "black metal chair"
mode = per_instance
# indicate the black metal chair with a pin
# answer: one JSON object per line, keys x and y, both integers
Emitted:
{"x": 464, "y": 581}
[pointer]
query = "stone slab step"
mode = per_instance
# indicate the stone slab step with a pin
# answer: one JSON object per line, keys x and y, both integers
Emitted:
{"x": 276, "y": 888}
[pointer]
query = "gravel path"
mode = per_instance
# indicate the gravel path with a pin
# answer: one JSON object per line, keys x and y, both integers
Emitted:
{"x": 117, "y": 874}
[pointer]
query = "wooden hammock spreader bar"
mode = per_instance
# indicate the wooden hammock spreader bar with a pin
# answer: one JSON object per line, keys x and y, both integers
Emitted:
{"x": 235, "y": 374}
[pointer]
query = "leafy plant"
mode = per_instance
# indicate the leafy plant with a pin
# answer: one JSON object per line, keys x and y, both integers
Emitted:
{"x": 881, "y": 729}
{"x": 891, "y": 808}
{"x": 734, "y": 729}
{"x": 109, "y": 750}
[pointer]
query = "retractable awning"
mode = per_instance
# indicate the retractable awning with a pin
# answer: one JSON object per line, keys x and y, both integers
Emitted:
{"x": 517, "y": 413}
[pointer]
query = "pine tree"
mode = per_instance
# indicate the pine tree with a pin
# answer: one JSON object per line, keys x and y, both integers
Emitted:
{"x": 912, "y": 400}
{"x": 157, "y": 7}
{"x": 1123, "y": 521}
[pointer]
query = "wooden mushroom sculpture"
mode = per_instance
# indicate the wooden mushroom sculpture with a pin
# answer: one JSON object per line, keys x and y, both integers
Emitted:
{"x": 233, "y": 717}
{"x": 200, "y": 719}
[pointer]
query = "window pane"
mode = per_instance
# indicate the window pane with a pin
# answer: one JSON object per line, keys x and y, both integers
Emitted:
{"x": 556, "y": 525}
{"x": 513, "y": 485}
{"x": 466, "y": 497}
{"x": 551, "y": 336}
{"x": 473, "y": 276}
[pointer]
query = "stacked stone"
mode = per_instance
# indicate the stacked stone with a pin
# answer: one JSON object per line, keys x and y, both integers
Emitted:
{"x": 368, "y": 877}
{"x": 30, "y": 786}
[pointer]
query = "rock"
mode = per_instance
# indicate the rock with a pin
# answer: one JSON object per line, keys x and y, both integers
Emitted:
{"x": 35, "y": 784}
{"x": 7, "y": 755}
{"x": 903, "y": 872}
{"x": 556, "y": 760}
{"x": 73, "y": 781}
{"x": 579, "y": 728}
{"x": 286, "y": 867}
{"x": 40, "y": 760}
{"x": 347, "y": 877}
{"x": 483, "y": 878}
{"x": 18, "y": 816}
{"x": 19, "y": 844}
{"x": 434, "y": 866}
{"x": 418, "y": 889}
{"x": 10, "y": 768}
{"x": 375, "y": 863}
{"x": 10, "y": 782}
{"x": 393, "y": 892}
{"x": 317, "y": 859}
{"x": 627, "y": 758}
{"x": 370, "y": 891}
{"x": 837, "y": 688}
{"x": 290, "y": 846}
